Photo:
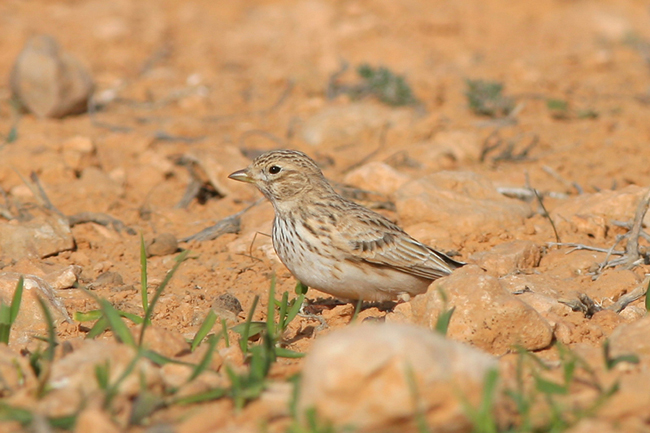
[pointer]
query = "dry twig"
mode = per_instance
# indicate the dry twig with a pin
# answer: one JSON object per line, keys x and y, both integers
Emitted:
{"x": 589, "y": 307}
{"x": 229, "y": 224}
{"x": 101, "y": 219}
{"x": 43, "y": 200}
{"x": 633, "y": 255}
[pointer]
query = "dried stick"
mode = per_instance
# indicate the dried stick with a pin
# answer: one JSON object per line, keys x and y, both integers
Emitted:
{"x": 632, "y": 247}
{"x": 578, "y": 247}
{"x": 230, "y": 224}
{"x": 101, "y": 219}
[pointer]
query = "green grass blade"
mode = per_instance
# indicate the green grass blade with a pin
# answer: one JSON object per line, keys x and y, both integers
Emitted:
{"x": 254, "y": 328}
{"x": 442, "y": 324}
{"x": 9, "y": 313}
{"x": 263, "y": 356}
{"x": 547, "y": 387}
{"x": 357, "y": 310}
{"x": 159, "y": 359}
{"x": 13, "y": 135}
{"x": 282, "y": 314}
{"x": 149, "y": 311}
{"x": 270, "y": 313}
{"x": 283, "y": 352}
{"x": 51, "y": 330}
{"x": 132, "y": 317}
{"x": 100, "y": 326}
{"x": 102, "y": 374}
{"x": 16, "y": 300}
{"x": 17, "y": 414}
{"x": 611, "y": 362}
{"x": 647, "y": 297}
{"x": 301, "y": 289}
{"x": 243, "y": 342}
{"x": 294, "y": 309}
{"x": 119, "y": 328}
{"x": 5, "y": 323}
{"x": 143, "y": 274}
{"x": 206, "y": 326}
{"x": 87, "y": 316}
{"x": 207, "y": 359}
{"x": 224, "y": 332}
{"x": 64, "y": 422}
{"x": 416, "y": 400}
{"x": 213, "y": 394}
{"x": 113, "y": 389}
{"x": 5, "y": 313}
{"x": 4, "y": 333}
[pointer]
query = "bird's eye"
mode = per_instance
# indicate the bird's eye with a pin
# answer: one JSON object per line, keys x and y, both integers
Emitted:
{"x": 274, "y": 169}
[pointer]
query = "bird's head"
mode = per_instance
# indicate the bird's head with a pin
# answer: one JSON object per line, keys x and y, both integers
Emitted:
{"x": 282, "y": 175}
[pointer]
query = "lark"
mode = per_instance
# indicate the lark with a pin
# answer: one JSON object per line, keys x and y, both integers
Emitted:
{"x": 334, "y": 245}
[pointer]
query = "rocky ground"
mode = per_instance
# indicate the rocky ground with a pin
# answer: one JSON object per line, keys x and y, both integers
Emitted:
{"x": 541, "y": 186}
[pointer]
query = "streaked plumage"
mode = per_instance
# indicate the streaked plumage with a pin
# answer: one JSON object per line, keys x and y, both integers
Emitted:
{"x": 335, "y": 245}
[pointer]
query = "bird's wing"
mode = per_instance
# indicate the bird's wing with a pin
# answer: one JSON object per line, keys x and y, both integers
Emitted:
{"x": 377, "y": 240}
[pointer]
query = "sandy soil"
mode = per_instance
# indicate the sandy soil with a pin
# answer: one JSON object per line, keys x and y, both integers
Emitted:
{"x": 198, "y": 77}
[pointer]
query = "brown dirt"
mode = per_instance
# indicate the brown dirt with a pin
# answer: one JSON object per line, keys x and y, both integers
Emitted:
{"x": 243, "y": 55}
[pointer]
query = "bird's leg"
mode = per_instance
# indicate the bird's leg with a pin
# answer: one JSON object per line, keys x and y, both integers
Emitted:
{"x": 309, "y": 316}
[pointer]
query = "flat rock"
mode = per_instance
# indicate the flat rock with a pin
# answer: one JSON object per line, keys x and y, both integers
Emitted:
{"x": 460, "y": 202}
{"x": 631, "y": 338}
{"x": 509, "y": 257}
{"x": 486, "y": 315}
{"x": 335, "y": 125}
{"x": 592, "y": 214}
{"x": 366, "y": 376}
{"x": 42, "y": 236}
{"x": 48, "y": 81}
{"x": 606, "y": 290}
{"x": 213, "y": 164}
{"x": 445, "y": 151}
{"x": 376, "y": 176}
{"x": 64, "y": 278}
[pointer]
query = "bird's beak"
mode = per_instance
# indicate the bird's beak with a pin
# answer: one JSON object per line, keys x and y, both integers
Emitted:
{"x": 242, "y": 176}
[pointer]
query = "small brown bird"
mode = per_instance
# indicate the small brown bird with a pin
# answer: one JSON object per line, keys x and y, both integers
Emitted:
{"x": 334, "y": 245}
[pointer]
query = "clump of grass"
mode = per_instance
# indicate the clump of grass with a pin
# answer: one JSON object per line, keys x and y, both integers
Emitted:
{"x": 561, "y": 110}
{"x": 558, "y": 108}
{"x": 385, "y": 85}
{"x": 378, "y": 82}
{"x": 249, "y": 385}
{"x": 40, "y": 362}
{"x": 574, "y": 370}
{"x": 486, "y": 98}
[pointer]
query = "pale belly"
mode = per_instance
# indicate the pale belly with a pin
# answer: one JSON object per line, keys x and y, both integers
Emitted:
{"x": 342, "y": 278}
